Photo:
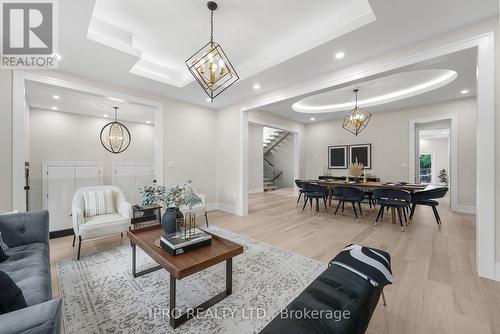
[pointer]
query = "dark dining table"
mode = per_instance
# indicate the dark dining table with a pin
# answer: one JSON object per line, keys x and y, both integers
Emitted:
{"x": 330, "y": 184}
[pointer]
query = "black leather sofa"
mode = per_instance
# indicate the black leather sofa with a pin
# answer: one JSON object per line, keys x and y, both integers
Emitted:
{"x": 336, "y": 291}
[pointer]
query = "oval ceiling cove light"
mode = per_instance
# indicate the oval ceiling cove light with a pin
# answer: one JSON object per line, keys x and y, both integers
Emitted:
{"x": 380, "y": 91}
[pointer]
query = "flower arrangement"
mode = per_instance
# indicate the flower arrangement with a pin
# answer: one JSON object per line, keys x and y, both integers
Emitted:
{"x": 356, "y": 169}
{"x": 171, "y": 196}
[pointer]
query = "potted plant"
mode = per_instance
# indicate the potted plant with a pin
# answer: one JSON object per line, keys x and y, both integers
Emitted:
{"x": 172, "y": 198}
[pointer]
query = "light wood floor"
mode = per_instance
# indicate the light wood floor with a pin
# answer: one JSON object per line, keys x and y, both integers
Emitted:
{"x": 436, "y": 289}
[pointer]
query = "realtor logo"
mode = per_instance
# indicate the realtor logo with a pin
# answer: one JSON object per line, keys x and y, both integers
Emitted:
{"x": 28, "y": 35}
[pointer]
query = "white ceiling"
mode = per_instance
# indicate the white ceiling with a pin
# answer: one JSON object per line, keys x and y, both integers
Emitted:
{"x": 463, "y": 63}
{"x": 398, "y": 23}
{"x": 176, "y": 29}
{"x": 41, "y": 96}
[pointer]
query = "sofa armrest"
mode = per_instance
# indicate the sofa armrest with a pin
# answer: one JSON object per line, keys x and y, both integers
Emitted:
{"x": 43, "y": 318}
{"x": 125, "y": 209}
{"x": 25, "y": 228}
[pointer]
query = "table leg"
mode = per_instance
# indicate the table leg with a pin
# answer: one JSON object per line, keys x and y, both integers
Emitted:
{"x": 330, "y": 191}
{"x": 177, "y": 320}
{"x": 135, "y": 273}
{"x": 393, "y": 215}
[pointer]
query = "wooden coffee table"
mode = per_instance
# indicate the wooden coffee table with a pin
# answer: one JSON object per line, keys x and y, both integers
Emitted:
{"x": 184, "y": 265}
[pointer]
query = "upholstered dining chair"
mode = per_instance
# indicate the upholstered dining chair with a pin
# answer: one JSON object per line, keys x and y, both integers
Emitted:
{"x": 428, "y": 198}
{"x": 351, "y": 195}
{"x": 300, "y": 185}
{"x": 396, "y": 199}
{"x": 314, "y": 191}
{"x": 99, "y": 211}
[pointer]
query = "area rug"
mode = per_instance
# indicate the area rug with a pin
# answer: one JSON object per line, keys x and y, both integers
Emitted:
{"x": 100, "y": 295}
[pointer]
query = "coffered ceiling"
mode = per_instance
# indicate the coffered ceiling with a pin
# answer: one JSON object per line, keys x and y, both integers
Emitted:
{"x": 272, "y": 44}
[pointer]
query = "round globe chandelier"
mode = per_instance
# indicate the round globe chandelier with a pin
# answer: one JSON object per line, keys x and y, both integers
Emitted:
{"x": 115, "y": 137}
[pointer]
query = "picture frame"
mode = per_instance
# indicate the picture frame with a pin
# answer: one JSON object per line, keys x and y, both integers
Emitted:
{"x": 361, "y": 153}
{"x": 338, "y": 157}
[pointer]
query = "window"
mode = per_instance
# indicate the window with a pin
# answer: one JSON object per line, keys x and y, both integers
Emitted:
{"x": 426, "y": 168}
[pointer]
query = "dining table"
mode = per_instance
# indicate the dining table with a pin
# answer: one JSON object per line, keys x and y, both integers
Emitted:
{"x": 330, "y": 184}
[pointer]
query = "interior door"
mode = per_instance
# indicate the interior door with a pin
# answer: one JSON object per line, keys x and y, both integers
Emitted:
{"x": 144, "y": 176}
{"x": 87, "y": 176}
{"x": 60, "y": 190}
{"x": 124, "y": 178}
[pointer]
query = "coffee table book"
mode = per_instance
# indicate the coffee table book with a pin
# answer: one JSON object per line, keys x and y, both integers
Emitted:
{"x": 177, "y": 245}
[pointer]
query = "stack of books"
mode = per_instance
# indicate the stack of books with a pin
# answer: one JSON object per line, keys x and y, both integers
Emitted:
{"x": 177, "y": 245}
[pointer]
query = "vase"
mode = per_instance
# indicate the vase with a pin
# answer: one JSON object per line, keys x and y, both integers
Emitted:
{"x": 169, "y": 218}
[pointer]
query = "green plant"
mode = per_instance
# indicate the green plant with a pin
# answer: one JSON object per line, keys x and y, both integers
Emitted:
{"x": 171, "y": 196}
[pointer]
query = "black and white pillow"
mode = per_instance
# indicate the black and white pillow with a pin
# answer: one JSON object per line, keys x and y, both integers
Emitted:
{"x": 98, "y": 203}
{"x": 372, "y": 264}
{"x": 3, "y": 245}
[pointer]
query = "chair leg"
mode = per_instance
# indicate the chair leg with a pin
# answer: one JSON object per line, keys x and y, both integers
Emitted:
{"x": 342, "y": 206}
{"x": 360, "y": 211}
{"x": 206, "y": 217}
{"x": 436, "y": 214}
{"x": 305, "y": 203}
{"x": 74, "y": 238}
{"x": 338, "y": 206}
{"x": 79, "y": 247}
{"x": 383, "y": 298}
{"x": 298, "y": 199}
{"x": 317, "y": 205}
{"x": 121, "y": 234}
{"x": 380, "y": 212}
{"x": 311, "y": 203}
{"x": 355, "y": 212}
{"x": 412, "y": 211}
{"x": 401, "y": 220}
{"x": 324, "y": 202}
{"x": 404, "y": 215}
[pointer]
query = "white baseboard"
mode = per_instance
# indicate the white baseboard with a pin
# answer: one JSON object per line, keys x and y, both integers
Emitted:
{"x": 223, "y": 207}
{"x": 256, "y": 190}
{"x": 497, "y": 272}
{"x": 471, "y": 209}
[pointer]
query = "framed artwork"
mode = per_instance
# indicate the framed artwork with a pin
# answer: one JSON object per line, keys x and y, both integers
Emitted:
{"x": 361, "y": 153}
{"x": 337, "y": 157}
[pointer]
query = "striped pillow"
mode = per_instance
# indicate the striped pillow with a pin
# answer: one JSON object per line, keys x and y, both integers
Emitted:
{"x": 98, "y": 203}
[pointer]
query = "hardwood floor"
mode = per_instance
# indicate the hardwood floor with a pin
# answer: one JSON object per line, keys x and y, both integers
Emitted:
{"x": 436, "y": 289}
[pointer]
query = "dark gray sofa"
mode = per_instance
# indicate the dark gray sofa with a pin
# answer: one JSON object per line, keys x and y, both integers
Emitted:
{"x": 27, "y": 235}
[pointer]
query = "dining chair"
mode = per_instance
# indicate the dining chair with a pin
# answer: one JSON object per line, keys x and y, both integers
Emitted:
{"x": 314, "y": 191}
{"x": 428, "y": 198}
{"x": 351, "y": 195}
{"x": 300, "y": 185}
{"x": 395, "y": 199}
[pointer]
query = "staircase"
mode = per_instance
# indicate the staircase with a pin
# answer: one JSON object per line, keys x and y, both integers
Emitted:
{"x": 271, "y": 174}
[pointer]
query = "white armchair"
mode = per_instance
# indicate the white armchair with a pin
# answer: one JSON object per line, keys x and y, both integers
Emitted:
{"x": 97, "y": 226}
{"x": 199, "y": 209}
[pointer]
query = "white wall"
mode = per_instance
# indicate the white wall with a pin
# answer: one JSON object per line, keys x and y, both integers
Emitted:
{"x": 440, "y": 148}
{"x": 61, "y": 136}
{"x": 5, "y": 140}
{"x": 255, "y": 158}
{"x": 390, "y": 157}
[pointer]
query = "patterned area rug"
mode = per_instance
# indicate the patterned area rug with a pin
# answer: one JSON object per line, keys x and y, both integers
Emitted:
{"x": 101, "y": 296}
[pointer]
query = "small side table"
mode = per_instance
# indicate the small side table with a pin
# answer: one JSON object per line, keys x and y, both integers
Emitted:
{"x": 145, "y": 214}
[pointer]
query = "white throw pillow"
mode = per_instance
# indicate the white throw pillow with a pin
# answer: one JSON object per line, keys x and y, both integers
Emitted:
{"x": 98, "y": 203}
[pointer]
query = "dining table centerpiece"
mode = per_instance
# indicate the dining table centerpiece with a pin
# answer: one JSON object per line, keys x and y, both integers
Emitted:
{"x": 356, "y": 170}
{"x": 172, "y": 198}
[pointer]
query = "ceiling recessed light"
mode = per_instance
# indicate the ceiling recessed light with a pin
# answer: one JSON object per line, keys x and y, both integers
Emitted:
{"x": 312, "y": 119}
{"x": 339, "y": 55}
{"x": 465, "y": 91}
{"x": 54, "y": 108}
{"x": 106, "y": 116}
{"x": 116, "y": 99}
{"x": 148, "y": 122}
{"x": 209, "y": 99}
{"x": 256, "y": 86}
{"x": 56, "y": 97}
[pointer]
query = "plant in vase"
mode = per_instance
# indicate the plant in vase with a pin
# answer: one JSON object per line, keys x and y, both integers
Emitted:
{"x": 356, "y": 170}
{"x": 172, "y": 198}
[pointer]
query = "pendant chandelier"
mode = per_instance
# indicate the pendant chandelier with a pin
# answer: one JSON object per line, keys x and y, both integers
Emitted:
{"x": 115, "y": 136}
{"x": 357, "y": 120}
{"x": 210, "y": 65}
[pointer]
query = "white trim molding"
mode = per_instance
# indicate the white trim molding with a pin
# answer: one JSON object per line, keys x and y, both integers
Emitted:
{"x": 497, "y": 271}
{"x": 469, "y": 209}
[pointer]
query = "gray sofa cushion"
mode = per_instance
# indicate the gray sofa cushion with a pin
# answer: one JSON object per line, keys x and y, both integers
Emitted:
{"x": 28, "y": 266}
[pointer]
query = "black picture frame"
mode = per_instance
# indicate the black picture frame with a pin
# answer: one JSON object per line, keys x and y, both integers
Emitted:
{"x": 338, "y": 157}
{"x": 361, "y": 153}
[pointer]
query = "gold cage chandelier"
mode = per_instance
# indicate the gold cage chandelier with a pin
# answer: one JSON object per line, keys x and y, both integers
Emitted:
{"x": 210, "y": 66}
{"x": 115, "y": 137}
{"x": 357, "y": 120}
